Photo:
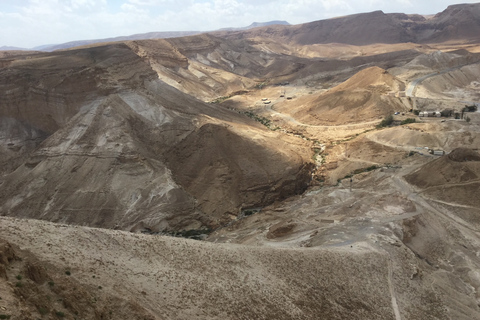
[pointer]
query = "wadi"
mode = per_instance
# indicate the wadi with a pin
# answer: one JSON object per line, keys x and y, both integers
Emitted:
{"x": 328, "y": 170}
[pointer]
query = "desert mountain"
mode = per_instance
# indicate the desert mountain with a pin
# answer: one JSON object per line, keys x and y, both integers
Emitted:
{"x": 267, "y": 150}
{"x": 456, "y": 23}
{"x": 95, "y": 118}
{"x": 9, "y": 48}
{"x": 257, "y": 25}
{"x": 140, "y": 36}
{"x": 459, "y": 21}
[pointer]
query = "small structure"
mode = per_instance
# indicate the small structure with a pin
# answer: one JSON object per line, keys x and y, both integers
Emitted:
{"x": 401, "y": 94}
{"x": 264, "y": 99}
{"x": 267, "y": 102}
{"x": 436, "y": 114}
{"x": 437, "y": 152}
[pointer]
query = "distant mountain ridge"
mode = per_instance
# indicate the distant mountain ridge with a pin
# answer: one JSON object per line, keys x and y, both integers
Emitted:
{"x": 9, "y": 48}
{"x": 138, "y": 36}
{"x": 457, "y": 22}
{"x": 258, "y": 25}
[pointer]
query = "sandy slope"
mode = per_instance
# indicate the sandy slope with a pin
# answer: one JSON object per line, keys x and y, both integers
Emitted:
{"x": 170, "y": 278}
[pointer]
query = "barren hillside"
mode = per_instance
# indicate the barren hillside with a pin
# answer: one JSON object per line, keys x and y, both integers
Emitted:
{"x": 362, "y": 98}
{"x": 297, "y": 155}
{"x": 96, "y": 118}
{"x": 457, "y": 23}
{"x": 115, "y": 274}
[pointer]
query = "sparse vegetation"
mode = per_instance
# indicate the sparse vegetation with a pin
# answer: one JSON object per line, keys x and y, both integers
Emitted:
{"x": 42, "y": 310}
{"x": 195, "y": 234}
{"x": 266, "y": 122}
{"x": 471, "y": 108}
{"x": 407, "y": 121}
{"x": 249, "y": 212}
{"x": 60, "y": 314}
{"x": 19, "y": 284}
{"x": 223, "y": 98}
{"x": 260, "y": 85}
{"x": 5, "y": 316}
{"x": 220, "y": 99}
{"x": 367, "y": 169}
{"x": 358, "y": 171}
{"x": 19, "y": 277}
{"x": 467, "y": 118}
{"x": 68, "y": 272}
{"x": 316, "y": 152}
{"x": 386, "y": 122}
{"x": 51, "y": 283}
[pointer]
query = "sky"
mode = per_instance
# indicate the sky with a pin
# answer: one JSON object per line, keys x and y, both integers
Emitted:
{"x": 31, "y": 23}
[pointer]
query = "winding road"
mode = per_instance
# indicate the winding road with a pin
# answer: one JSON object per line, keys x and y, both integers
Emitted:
{"x": 412, "y": 86}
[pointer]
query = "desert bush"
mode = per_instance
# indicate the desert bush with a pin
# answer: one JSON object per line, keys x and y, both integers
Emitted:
{"x": 60, "y": 314}
{"x": 386, "y": 122}
{"x": 42, "y": 310}
{"x": 407, "y": 121}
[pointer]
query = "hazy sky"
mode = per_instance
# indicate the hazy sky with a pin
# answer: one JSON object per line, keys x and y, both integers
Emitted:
{"x": 30, "y": 23}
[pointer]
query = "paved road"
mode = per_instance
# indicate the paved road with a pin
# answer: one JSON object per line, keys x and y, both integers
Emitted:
{"x": 412, "y": 86}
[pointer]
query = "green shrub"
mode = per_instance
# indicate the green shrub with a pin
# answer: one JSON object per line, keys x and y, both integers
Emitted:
{"x": 5, "y": 316}
{"x": 407, "y": 121}
{"x": 60, "y": 314}
{"x": 68, "y": 272}
{"x": 51, "y": 283}
{"x": 266, "y": 122}
{"x": 42, "y": 310}
{"x": 260, "y": 85}
{"x": 19, "y": 277}
{"x": 386, "y": 122}
{"x": 18, "y": 284}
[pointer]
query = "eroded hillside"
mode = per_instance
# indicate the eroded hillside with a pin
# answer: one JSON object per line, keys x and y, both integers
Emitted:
{"x": 332, "y": 169}
{"x": 97, "y": 127}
